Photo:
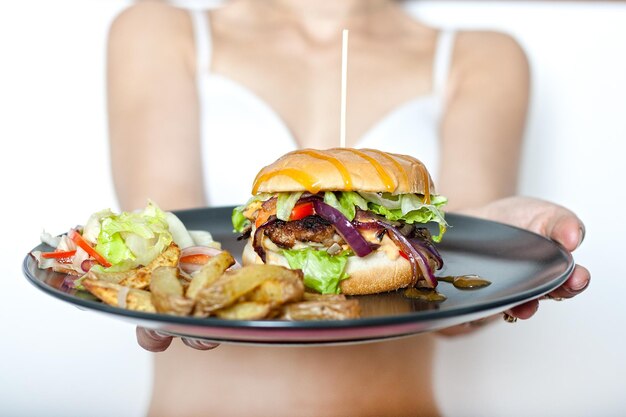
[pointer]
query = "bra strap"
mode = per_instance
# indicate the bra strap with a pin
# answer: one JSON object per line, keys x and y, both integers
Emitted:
{"x": 202, "y": 37}
{"x": 443, "y": 60}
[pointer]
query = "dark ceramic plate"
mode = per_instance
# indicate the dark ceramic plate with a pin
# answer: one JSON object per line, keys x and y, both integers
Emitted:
{"x": 520, "y": 265}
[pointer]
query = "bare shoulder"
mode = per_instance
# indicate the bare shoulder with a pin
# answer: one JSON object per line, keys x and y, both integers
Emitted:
{"x": 149, "y": 27}
{"x": 494, "y": 55}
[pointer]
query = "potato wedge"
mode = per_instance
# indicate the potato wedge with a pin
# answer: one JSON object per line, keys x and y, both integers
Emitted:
{"x": 167, "y": 292}
{"x": 209, "y": 273}
{"x": 141, "y": 278}
{"x": 235, "y": 284}
{"x": 314, "y": 296}
{"x": 114, "y": 277}
{"x": 321, "y": 310}
{"x": 278, "y": 291}
{"x": 119, "y": 296}
{"x": 247, "y": 310}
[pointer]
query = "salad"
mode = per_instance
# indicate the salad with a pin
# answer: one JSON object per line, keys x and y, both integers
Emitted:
{"x": 118, "y": 242}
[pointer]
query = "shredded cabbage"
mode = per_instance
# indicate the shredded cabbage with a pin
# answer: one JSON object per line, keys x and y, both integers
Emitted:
{"x": 128, "y": 240}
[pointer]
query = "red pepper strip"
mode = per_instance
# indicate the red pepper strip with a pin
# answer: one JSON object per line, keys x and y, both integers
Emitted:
{"x": 84, "y": 245}
{"x": 301, "y": 211}
{"x": 196, "y": 259}
{"x": 404, "y": 255}
{"x": 58, "y": 254}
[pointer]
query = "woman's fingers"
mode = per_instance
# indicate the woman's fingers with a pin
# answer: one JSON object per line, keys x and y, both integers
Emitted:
{"x": 575, "y": 284}
{"x": 522, "y": 311}
{"x": 152, "y": 340}
{"x": 566, "y": 229}
{"x": 155, "y": 341}
{"x": 199, "y": 344}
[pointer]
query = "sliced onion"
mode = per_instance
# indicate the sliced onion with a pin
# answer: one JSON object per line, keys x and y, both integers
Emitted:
{"x": 199, "y": 250}
{"x": 429, "y": 248}
{"x": 419, "y": 261}
{"x": 87, "y": 264}
{"x": 359, "y": 245}
{"x": 190, "y": 268}
{"x": 69, "y": 282}
{"x": 257, "y": 240}
{"x": 122, "y": 295}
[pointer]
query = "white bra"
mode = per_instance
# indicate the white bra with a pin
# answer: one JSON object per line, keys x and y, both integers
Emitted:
{"x": 241, "y": 133}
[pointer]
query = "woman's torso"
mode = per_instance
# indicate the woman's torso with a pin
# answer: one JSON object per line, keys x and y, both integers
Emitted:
{"x": 396, "y": 86}
{"x": 394, "y": 106}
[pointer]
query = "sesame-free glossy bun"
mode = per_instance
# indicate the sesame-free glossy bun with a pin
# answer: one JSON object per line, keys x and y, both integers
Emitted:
{"x": 372, "y": 274}
{"x": 344, "y": 169}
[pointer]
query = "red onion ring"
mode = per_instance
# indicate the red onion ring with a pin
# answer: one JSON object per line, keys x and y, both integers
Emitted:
{"x": 87, "y": 264}
{"x": 359, "y": 245}
{"x": 416, "y": 258}
{"x": 257, "y": 239}
{"x": 429, "y": 248}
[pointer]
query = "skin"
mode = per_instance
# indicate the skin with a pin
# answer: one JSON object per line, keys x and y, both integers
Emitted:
{"x": 268, "y": 47}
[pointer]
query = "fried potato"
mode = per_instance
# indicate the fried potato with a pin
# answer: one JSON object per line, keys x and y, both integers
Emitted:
{"x": 209, "y": 273}
{"x": 313, "y": 296}
{"x": 114, "y": 277}
{"x": 167, "y": 292}
{"x": 141, "y": 278}
{"x": 246, "y": 310}
{"x": 321, "y": 310}
{"x": 119, "y": 296}
{"x": 278, "y": 291}
{"x": 235, "y": 284}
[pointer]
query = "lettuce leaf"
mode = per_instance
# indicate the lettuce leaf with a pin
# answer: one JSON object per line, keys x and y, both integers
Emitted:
{"x": 409, "y": 208}
{"x": 322, "y": 271}
{"x": 346, "y": 203}
{"x": 239, "y": 221}
{"x": 285, "y": 204}
{"x": 130, "y": 239}
{"x": 413, "y": 210}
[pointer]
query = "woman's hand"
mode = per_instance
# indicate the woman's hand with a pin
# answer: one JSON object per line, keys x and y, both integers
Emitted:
{"x": 155, "y": 341}
{"x": 547, "y": 219}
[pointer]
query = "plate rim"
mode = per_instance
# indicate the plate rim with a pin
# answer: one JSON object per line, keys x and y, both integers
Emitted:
{"x": 365, "y": 322}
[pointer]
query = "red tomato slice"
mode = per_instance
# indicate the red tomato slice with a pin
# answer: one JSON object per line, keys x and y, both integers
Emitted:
{"x": 196, "y": 259}
{"x": 301, "y": 211}
{"x": 404, "y": 255}
{"x": 84, "y": 245}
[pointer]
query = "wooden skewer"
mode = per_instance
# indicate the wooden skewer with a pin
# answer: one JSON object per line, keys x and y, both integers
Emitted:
{"x": 344, "y": 71}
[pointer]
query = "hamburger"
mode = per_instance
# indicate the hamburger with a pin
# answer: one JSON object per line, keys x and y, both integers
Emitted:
{"x": 354, "y": 221}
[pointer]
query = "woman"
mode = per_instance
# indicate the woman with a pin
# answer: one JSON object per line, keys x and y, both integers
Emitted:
{"x": 198, "y": 102}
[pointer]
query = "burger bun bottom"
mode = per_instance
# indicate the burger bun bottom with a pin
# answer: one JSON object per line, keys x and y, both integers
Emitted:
{"x": 372, "y": 274}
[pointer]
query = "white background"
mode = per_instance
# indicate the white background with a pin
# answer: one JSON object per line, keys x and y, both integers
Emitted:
{"x": 56, "y": 360}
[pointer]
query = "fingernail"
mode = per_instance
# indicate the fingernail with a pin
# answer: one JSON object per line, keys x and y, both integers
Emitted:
{"x": 200, "y": 344}
{"x": 550, "y": 297}
{"x": 156, "y": 335}
{"x": 582, "y": 235}
{"x": 577, "y": 287}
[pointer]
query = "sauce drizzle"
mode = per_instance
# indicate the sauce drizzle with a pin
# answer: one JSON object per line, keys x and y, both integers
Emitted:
{"x": 388, "y": 182}
{"x": 397, "y": 164}
{"x": 424, "y": 294}
{"x": 310, "y": 183}
{"x": 347, "y": 180}
{"x": 466, "y": 282}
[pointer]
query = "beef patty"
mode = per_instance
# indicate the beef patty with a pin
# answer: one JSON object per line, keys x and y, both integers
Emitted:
{"x": 309, "y": 229}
